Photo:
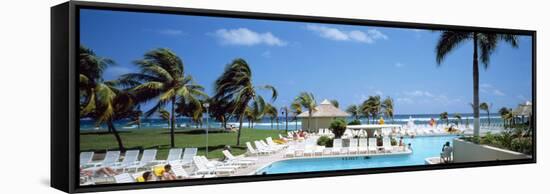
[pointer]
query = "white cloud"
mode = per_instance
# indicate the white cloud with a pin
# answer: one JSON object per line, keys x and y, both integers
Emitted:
{"x": 419, "y": 93}
{"x": 246, "y": 37}
{"x": 379, "y": 93}
{"x": 490, "y": 89}
{"x": 405, "y": 100}
{"x": 171, "y": 32}
{"x": 368, "y": 37}
{"x": 399, "y": 64}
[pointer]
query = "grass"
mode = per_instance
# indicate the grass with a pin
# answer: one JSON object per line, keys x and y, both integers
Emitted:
{"x": 160, "y": 139}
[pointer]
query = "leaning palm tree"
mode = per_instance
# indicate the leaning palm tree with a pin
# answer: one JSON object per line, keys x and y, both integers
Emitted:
{"x": 354, "y": 111}
{"x": 285, "y": 110}
{"x": 163, "y": 79}
{"x": 236, "y": 85}
{"x": 444, "y": 116}
{"x": 164, "y": 115}
{"x": 272, "y": 113}
{"x": 307, "y": 101}
{"x": 387, "y": 106}
{"x": 486, "y": 43}
{"x": 296, "y": 110}
{"x": 487, "y": 108}
{"x": 503, "y": 114}
{"x": 101, "y": 100}
{"x": 91, "y": 68}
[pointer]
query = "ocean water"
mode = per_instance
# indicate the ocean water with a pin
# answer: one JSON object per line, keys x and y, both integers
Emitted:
{"x": 157, "y": 123}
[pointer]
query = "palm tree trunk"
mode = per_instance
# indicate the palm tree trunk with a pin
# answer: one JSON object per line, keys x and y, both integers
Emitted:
{"x": 476, "y": 87}
{"x": 488, "y": 118}
{"x": 277, "y": 121}
{"x": 296, "y": 123}
{"x": 173, "y": 120}
{"x": 112, "y": 128}
{"x": 286, "y": 121}
{"x": 240, "y": 127}
{"x": 309, "y": 120}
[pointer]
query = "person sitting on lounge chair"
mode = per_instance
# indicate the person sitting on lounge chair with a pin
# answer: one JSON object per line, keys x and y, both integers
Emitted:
{"x": 446, "y": 152}
{"x": 104, "y": 170}
{"x": 401, "y": 143}
{"x": 168, "y": 174}
{"x": 145, "y": 177}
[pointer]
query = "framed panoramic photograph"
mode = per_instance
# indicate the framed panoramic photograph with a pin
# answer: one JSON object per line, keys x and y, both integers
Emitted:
{"x": 146, "y": 96}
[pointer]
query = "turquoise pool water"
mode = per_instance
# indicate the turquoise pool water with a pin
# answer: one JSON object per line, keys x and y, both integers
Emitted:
{"x": 423, "y": 147}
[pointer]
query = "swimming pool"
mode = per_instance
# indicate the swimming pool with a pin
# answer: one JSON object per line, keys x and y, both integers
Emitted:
{"x": 423, "y": 147}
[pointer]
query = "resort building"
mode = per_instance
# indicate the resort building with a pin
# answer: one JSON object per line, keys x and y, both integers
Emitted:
{"x": 322, "y": 116}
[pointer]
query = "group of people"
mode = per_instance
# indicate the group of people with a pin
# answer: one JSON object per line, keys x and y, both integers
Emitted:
{"x": 446, "y": 153}
{"x": 163, "y": 173}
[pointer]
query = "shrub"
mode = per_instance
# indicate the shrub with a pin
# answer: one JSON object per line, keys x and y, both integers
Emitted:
{"x": 324, "y": 141}
{"x": 393, "y": 141}
{"x": 338, "y": 127}
{"x": 523, "y": 145}
{"x": 489, "y": 138}
{"x": 355, "y": 122}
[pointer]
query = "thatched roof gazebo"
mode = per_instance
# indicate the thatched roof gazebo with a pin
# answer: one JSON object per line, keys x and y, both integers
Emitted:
{"x": 321, "y": 116}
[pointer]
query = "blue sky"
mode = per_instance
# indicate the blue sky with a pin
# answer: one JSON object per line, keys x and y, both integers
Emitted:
{"x": 343, "y": 62}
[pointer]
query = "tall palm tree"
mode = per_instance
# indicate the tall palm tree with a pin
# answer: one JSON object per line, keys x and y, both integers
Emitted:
{"x": 272, "y": 113}
{"x": 387, "y": 106}
{"x": 164, "y": 115}
{"x": 162, "y": 77}
{"x": 444, "y": 116}
{"x": 100, "y": 100}
{"x": 236, "y": 85}
{"x": 485, "y": 42}
{"x": 285, "y": 110}
{"x": 354, "y": 110}
{"x": 296, "y": 110}
{"x": 307, "y": 101}
{"x": 487, "y": 108}
{"x": 335, "y": 103}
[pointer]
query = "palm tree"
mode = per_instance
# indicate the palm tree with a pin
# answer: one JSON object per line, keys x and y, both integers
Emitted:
{"x": 354, "y": 111}
{"x": 487, "y": 108}
{"x": 503, "y": 114}
{"x": 387, "y": 105}
{"x": 164, "y": 115}
{"x": 444, "y": 116}
{"x": 192, "y": 110}
{"x": 285, "y": 110}
{"x": 486, "y": 43}
{"x": 162, "y": 78}
{"x": 372, "y": 106}
{"x": 335, "y": 103}
{"x": 236, "y": 85}
{"x": 296, "y": 110}
{"x": 272, "y": 112}
{"x": 458, "y": 119}
{"x": 307, "y": 101}
{"x": 100, "y": 100}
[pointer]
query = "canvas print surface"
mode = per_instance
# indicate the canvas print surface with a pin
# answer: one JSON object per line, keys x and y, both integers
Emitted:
{"x": 166, "y": 97}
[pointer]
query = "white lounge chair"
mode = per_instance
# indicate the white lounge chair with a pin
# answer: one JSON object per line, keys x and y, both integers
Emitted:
{"x": 363, "y": 146}
{"x": 233, "y": 160}
{"x": 290, "y": 151}
{"x": 203, "y": 169}
{"x": 353, "y": 149}
{"x": 271, "y": 143}
{"x": 188, "y": 155}
{"x": 124, "y": 178}
{"x": 263, "y": 148}
{"x": 146, "y": 158}
{"x": 372, "y": 145}
{"x": 130, "y": 158}
{"x": 174, "y": 156}
{"x": 252, "y": 151}
{"x": 86, "y": 158}
{"x": 337, "y": 146}
{"x": 309, "y": 150}
{"x": 318, "y": 150}
{"x": 180, "y": 173}
{"x": 387, "y": 145}
{"x": 111, "y": 157}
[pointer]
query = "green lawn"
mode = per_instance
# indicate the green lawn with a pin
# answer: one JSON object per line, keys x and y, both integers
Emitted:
{"x": 160, "y": 139}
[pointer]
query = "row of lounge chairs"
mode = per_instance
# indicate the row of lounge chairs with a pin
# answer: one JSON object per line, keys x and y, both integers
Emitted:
{"x": 131, "y": 162}
{"x": 356, "y": 146}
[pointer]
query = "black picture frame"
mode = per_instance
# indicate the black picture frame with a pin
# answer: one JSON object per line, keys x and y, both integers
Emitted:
{"x": 64, "y": 92}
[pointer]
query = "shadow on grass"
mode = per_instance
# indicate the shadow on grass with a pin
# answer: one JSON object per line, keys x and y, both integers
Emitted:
{"x": 102, "y": 132}
{"x": 198, "y": 131}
